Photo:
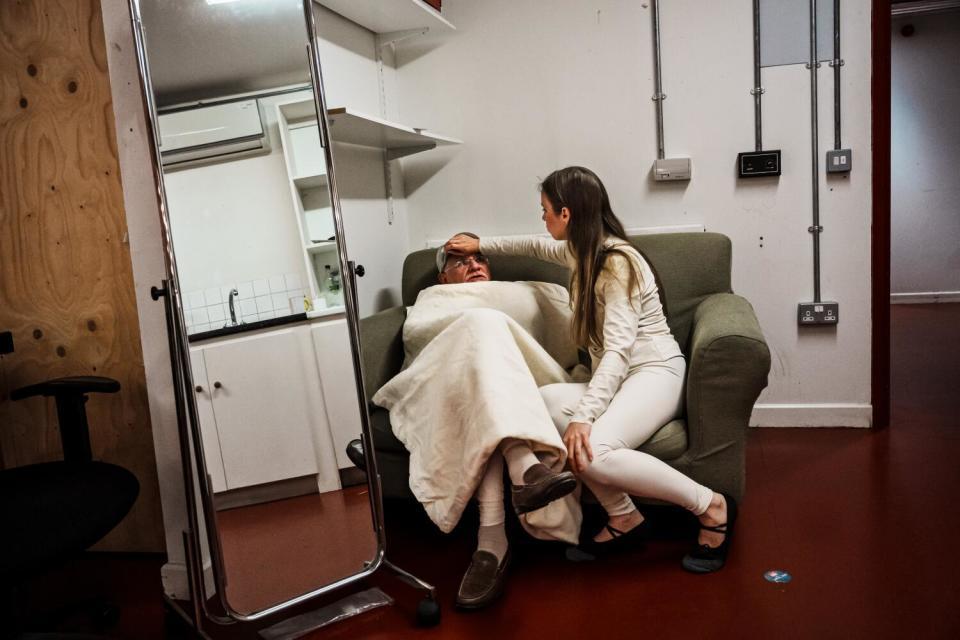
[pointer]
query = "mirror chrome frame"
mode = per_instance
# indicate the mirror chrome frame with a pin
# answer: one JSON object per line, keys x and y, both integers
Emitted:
{"x": 187, "y": 415}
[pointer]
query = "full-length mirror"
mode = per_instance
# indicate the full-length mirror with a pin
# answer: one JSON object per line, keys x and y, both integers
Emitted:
{"x": 261, "y": 292}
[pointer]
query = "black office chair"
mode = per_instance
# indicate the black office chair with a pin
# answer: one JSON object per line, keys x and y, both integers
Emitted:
{"x": 53, "y": 510}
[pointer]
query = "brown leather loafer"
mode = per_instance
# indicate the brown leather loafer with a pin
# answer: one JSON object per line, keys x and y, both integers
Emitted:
{"x": 483, "y": 581}
{"x": 543, "y": 487}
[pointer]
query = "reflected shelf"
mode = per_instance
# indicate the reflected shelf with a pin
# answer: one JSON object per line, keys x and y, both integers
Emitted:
{"x": 328, "y": 311}
{"x": 311, "y": 181}
{"x": 386, "y": 16}
{"x": 321, "y": 247}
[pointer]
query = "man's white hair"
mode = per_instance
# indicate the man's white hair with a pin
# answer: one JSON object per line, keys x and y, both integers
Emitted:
{"x": 442, "y": 253}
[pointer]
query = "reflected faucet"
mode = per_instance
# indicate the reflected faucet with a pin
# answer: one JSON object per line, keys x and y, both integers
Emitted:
{"x": 233, "y": 311}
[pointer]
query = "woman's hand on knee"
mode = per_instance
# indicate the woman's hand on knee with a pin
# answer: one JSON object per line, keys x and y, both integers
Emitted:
{"x": 577, "y": 440}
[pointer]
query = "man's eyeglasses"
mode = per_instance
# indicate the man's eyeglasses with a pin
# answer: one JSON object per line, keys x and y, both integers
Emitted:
{"x": 461, "y": 261}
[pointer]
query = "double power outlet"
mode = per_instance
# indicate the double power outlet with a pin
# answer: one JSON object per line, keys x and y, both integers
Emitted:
{"x": 809, "y": 313}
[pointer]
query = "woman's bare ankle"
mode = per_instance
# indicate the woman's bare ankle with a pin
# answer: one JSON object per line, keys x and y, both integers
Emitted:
{"x": 714, "y": 516}
{"x": 716, "y": 513}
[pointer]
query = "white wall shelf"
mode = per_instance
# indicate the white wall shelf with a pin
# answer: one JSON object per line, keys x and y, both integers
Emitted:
{"x": 352, "y": 127}
{"x": 387, "y": 16}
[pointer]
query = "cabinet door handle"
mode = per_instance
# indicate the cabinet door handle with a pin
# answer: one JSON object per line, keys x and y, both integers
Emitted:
{"x": 217, "y": 385}
{"x": 198, "y": 389}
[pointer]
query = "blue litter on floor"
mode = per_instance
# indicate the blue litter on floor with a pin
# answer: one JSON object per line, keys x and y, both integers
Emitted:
{"x": 775, "y": 575}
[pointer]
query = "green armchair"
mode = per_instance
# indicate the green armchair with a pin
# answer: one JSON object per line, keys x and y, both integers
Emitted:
{"x": 727, "y": 357}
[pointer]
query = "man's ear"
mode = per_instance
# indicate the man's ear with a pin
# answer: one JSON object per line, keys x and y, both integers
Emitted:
{"x": 442, "y": 278}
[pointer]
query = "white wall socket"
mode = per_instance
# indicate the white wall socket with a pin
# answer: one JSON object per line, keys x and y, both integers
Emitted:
{"x": 671, "y": 169}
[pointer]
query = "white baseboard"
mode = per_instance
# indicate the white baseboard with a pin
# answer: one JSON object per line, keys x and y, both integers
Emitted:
{"x": 675, "y": 228}
{"x": 812, "y": 415}
{"x": 176, "y": 583}
{"x": 925, "y": 297}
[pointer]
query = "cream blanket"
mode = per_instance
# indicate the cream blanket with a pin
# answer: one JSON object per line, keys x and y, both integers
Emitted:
{"x": 476, "y": 354}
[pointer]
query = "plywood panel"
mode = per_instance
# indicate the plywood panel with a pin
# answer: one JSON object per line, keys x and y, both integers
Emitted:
{"x": 66, "y": 286}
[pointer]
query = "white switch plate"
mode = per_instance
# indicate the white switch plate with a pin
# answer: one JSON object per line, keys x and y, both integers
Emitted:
{"x": 839, "y": 160}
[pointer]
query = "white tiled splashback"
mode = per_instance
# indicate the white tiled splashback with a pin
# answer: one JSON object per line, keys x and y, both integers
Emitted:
{"x": 263, "y": 299}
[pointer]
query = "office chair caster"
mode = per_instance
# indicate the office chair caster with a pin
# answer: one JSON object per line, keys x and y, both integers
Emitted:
{"x": 428, "y": 612}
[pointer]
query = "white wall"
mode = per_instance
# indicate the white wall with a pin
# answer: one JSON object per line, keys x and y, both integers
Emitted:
{"x": 530, "y": 90}
{"x": 925, "y": 154}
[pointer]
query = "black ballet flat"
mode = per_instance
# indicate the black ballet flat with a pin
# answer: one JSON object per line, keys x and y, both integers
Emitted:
{"x": 707, "y": 559}
{"x": 635, "y": 539}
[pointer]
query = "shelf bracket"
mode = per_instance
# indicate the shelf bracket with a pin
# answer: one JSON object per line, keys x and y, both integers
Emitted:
{"x": 381, "y": 41}
{"x": 399, "y": 152}
{"x": 393, "y": 37}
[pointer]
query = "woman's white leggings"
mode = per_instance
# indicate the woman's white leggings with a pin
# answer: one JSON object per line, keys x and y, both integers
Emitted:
{"x": 648, "y": 399}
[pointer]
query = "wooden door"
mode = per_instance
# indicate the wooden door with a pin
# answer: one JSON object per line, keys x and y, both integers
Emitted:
{"x": 66, "y": 282}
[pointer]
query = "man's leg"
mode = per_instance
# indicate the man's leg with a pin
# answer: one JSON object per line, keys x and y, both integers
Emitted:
{"x": 483, "y": 580}
{"x": 534, "y": 484}
{"x": 492, "y": 536}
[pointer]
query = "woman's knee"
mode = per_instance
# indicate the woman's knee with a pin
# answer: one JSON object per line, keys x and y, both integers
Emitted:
{"x": 556, "y": 397}
{"x": 600, "y": 468}
{"x": 601, "y": 447}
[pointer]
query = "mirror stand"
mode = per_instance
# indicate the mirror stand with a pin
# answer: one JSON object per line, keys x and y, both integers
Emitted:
{"x": 428, "y": 609}
{"x": 195, "y": 405}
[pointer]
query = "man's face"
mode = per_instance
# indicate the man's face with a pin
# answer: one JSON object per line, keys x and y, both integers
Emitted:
{"x": 470, "y": 268}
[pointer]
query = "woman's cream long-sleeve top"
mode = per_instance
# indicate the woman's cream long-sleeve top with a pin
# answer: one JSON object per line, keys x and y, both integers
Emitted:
{"x": 635, "y": 330}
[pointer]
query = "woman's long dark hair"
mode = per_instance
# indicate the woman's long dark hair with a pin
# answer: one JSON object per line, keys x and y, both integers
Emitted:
{"x": 591, "y": 221}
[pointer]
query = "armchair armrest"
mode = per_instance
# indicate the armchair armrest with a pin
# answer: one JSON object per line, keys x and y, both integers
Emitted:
{"x": 381, "y": 345}
{"x": 728, "y": 366}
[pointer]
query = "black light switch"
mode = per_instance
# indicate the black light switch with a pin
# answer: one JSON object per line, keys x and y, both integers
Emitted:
{"x": 757, "y": 164}
{"x": 6, "y": 342}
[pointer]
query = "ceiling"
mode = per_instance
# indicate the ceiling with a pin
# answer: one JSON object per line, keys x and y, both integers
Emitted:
{"x": 200, "y": 51}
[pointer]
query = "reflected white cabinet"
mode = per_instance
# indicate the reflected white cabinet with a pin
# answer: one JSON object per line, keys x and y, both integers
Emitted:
{"x": 264, "y": 441}
{"x": 208, "y": 425}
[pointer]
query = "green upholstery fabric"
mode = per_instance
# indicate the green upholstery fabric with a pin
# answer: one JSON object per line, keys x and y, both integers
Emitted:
{"x": 381, "y": 337}
{"x": 728, "y": 359}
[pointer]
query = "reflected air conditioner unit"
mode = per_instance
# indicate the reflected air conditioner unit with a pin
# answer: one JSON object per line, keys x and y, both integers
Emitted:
{"x": 212, "y": 132}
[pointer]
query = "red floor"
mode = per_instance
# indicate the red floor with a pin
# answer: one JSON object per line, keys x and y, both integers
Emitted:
{"x": 290, "y": 540}
{"x": 861, "y": 519}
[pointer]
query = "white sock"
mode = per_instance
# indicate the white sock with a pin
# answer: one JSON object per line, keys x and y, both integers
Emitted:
{"x": 492, "y": 535}
{"x": 519, "y": 457}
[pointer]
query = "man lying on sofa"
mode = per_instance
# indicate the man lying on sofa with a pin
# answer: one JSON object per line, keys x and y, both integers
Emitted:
{"x": 467, "y": 400}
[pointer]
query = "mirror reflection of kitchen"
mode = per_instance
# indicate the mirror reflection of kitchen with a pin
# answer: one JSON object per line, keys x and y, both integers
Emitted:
{"x": 246, "y": 187}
